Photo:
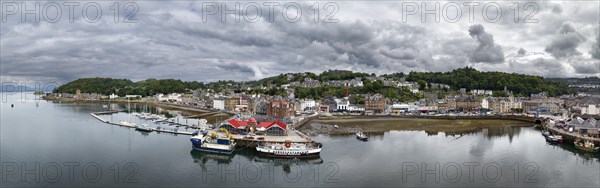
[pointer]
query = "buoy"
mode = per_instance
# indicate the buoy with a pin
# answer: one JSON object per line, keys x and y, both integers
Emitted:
{"x": 12, "y": 105}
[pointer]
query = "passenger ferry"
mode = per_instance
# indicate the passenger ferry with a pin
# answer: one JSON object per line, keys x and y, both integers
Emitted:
{"x": 213, "y": 143}
{"x": 290, "y": 150}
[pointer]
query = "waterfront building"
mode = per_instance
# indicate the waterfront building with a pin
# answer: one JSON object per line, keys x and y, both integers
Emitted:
{"x": 342, "y": 104}
{"x": 398, "y": 109}
{"x": 133, "y": 96}
{"x": 231, "y": 103}
{"x": 467, "y": 104}
{"x": 219, "y": 104}
{"x": 375, "y": 104}
{"x": 271, "y": 128}
{"x": 356, "y": 109}
{"x": 173, "y": 97}
{"x": 589, "y": 105}
{"x": 189, "y": 99}
{"x": 485, "y": 103}
{"x": 503, "y": 104}
{"x": 280, "y": 108}
{"x": 330, "y": 102}
{"x": 324, "y": 108}
{"x": 307, "y": 104}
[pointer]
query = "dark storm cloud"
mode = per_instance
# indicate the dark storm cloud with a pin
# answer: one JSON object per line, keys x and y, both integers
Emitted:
{"x": 237, "y": 68}
{"x": 487, "y": 51}
{"x": 566, "y": 42}
{"x": 399, "y": 54}
{"x": 595, "y": 52}
{"x": 521, "y": 51}
{"x": 567, "y": 27}
{"x": 585, "y": 66}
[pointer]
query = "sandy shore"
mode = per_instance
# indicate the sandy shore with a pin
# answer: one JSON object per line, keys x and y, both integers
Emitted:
{"x": 380, "y": 125}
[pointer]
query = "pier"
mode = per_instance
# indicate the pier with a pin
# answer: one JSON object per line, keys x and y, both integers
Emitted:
{"x": 95, "y": 115}
{"x": 569, "y": 136}
{"x": 242, "y": 140}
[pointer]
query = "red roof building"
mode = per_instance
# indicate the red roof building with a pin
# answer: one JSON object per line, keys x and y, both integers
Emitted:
{"x": 276, "y": 128}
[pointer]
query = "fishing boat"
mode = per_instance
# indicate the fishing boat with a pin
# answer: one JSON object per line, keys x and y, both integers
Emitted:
{"x": 289, "y": 149}
{"x": 586, "y": 146}
{"x": 143, "y": 128}
{"x": 361, "y": 136}
{"x": 552, "y": 139}
{"x": 213, "y": 143}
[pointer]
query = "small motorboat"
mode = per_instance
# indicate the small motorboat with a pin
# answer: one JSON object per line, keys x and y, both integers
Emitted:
{"x": 143, "y": 128}
{"x": 546, "y": 134}
{"x": 552, "y": 139}
{"x": 361, "y": 136}
{"x": 586, "y": 146}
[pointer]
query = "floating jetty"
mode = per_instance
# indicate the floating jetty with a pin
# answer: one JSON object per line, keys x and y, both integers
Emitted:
{"x": 165, "y": 130}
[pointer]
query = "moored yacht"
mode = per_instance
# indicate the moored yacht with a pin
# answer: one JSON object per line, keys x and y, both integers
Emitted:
{"x": 143, "y": 128}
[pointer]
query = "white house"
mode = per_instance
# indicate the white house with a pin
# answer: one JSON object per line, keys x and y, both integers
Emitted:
{"x": 356, "y": 108}
{"x": 113, "y": 96}
{"x": 590, "y": 105}
{"x": 174, "y": 97}
{"x": 485, "y": 103}
{"x": 133, "y": 96}
{"x": 590, "y": 109}
{"x": 342, "y": 104}
{"x": 219, "y": 104}
{"x": 307, "y": 104}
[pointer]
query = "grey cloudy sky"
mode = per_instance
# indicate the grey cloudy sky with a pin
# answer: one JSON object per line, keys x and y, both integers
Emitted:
{"x": 171, "y": 40}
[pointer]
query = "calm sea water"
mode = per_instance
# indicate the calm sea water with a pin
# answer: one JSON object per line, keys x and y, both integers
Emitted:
{"x": 52, "y": 144}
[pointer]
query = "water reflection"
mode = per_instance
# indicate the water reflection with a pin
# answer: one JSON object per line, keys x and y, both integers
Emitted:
{"x": 204, "y": 158}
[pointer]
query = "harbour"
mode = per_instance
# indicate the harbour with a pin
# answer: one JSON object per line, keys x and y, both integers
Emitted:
{"x": 344, "y": 160}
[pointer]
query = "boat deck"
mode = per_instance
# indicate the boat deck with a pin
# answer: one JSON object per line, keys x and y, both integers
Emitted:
{"x": 293, "y": 136}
